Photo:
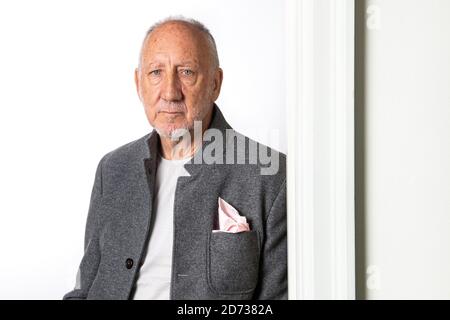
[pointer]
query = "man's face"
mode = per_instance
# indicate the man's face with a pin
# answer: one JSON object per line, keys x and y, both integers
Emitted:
{"x": 178, "y": 81}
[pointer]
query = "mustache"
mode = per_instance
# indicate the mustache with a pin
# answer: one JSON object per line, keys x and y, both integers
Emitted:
{"x": 171, "y": 106}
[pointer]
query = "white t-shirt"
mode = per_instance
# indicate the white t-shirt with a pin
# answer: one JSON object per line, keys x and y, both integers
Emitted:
{"x": 153, "y": 282}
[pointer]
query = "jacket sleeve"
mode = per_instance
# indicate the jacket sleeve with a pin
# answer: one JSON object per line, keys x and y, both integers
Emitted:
{"x": 89, "y": 264}
{"x": 272, "y": 283}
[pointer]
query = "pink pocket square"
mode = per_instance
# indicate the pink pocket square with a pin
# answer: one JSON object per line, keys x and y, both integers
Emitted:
{"x": 229, "y": 219}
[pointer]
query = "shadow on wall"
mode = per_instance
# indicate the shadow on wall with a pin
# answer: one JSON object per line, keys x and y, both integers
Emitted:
{"x": 360, "y": 150}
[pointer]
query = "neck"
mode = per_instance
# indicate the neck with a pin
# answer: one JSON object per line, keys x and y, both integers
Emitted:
{"x": 177, "y": 150}
{"x": 186, "y": 146}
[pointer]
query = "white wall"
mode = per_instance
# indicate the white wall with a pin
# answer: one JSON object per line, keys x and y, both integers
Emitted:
{"x": 67, "y": 97}
{"x": 407, "y": 120}
{"x": 321, "y": 149}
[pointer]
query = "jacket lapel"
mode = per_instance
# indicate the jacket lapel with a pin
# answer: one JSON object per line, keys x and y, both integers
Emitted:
{"x": 192, "y": 211}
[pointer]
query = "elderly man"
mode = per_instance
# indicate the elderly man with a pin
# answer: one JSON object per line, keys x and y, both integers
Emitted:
{"x": 187, "y": 211}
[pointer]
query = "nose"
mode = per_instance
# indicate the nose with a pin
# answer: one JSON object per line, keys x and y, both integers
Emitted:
{"x": 171, "y": 90}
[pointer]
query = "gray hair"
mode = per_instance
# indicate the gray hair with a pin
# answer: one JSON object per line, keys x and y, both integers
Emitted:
{"x": 192, "y": 22}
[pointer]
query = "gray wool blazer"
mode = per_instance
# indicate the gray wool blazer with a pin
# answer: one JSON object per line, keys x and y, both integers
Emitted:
{"x": 206, "y": 265}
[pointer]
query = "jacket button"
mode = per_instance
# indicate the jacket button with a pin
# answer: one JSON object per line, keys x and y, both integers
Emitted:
{"x": 129, "y": 263}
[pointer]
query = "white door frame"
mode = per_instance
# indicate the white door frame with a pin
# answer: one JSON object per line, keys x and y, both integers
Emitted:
{"x": 320, "y": 109}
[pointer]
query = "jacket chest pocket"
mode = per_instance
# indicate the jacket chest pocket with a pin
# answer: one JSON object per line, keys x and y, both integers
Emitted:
{"x": 233, "y": 262}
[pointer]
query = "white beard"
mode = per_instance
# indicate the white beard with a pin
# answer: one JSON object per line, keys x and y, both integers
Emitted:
{"x": 173, "y": 135}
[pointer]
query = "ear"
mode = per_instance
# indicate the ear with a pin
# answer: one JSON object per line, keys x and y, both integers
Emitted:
{"x": 218, "y": 78}
{"x": 136, "y": 81}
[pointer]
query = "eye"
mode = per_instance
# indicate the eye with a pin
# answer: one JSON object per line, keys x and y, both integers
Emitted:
{"x": 187, "y": 72}
{"x": 156, "y": 72}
